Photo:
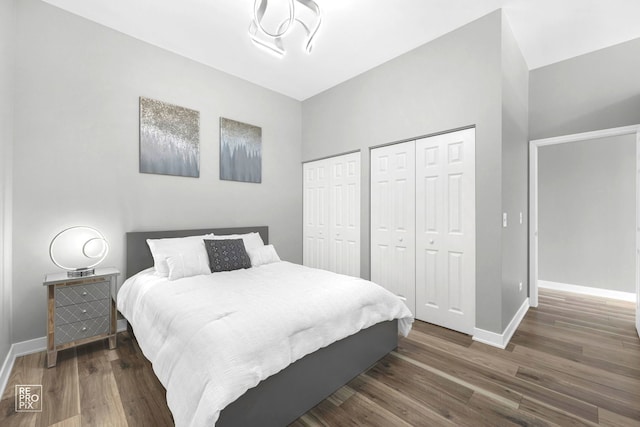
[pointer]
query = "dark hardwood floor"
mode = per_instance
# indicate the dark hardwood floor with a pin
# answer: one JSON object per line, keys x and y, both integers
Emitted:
{"x": 574, "y": 361}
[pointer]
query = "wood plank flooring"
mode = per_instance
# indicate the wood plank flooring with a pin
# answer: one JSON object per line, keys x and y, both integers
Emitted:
{"x": 574, "y": 361}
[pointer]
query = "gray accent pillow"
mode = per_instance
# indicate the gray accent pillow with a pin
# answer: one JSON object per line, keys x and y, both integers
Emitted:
{"x": 227, "y": 255}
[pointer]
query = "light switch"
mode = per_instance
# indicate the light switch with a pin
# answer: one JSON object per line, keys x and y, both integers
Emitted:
{"x": 504, "y": 219}
{"x": 520, "y": 217}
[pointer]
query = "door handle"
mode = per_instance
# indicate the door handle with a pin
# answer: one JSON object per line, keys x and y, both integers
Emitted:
{"x": 431, "y": 242}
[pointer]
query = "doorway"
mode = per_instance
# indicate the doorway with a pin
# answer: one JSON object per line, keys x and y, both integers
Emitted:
{"x": 534, "y": 203}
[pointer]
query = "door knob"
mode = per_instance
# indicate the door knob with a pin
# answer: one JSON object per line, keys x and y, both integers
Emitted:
{"x": 431, "y": 241}
{"x": 399, "y": 239}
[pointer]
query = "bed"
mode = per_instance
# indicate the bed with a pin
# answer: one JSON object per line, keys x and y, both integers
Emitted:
{"x": 284, "y": 396}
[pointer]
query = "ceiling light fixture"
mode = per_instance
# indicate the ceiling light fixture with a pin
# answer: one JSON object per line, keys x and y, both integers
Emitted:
{"x": 308, "y": 16}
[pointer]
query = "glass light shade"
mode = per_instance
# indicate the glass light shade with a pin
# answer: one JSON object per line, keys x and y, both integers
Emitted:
{"x": 78, "y": 250}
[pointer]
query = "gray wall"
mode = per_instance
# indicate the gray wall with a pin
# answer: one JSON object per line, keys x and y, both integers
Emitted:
{"x": 586, "y": 213}
{"x": 515, "y": 141}
{"x": 599, "y": 90}
{"x": 76, "y": 148}
{"x": 595, "y": 91}
{"x": 451, "y": 82}
{"x": 7, "y": 22}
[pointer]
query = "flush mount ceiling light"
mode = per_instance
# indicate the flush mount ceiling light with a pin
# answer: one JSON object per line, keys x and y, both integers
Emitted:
{"x": 273, "y": 20}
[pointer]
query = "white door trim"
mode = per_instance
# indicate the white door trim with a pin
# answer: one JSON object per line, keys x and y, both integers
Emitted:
{"x": 534, "y": 145}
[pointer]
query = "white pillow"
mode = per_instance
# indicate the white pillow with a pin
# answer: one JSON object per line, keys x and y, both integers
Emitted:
{"x": 250, "y": 240}
{"x": 187, "y": 265}
{"x": 161, "y": 249}
{"x": 263, "y": 255}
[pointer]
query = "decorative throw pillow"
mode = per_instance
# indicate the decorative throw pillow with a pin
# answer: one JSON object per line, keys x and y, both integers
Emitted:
{"x": 161, "y": 249}
{"x": 187, "y": 265}
{"x": 251, "y": 240}
{"x": 227, "y": 255}
{"x": 263, "y": 255}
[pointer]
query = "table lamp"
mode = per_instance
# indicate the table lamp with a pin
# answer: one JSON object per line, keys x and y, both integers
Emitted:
{"x": 78, "y": 250}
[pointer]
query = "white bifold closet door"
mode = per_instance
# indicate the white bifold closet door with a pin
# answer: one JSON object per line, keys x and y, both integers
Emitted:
{"x": 445, "y": 230}
{"x": 315, "y": 247}
{"x": 393, "y": 220}
{"x": 332, "y": 214}
{"x": 423, "y": 226}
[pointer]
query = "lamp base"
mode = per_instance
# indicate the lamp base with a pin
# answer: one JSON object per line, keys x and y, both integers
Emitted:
{"x": 81, "y": 272}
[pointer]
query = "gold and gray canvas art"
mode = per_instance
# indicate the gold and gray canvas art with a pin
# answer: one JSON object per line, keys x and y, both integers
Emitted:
{"x": 169, "y": 139}
{"x": 240, "y": 151}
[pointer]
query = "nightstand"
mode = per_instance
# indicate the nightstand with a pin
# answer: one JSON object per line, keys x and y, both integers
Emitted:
{"x": 81, "y": 310}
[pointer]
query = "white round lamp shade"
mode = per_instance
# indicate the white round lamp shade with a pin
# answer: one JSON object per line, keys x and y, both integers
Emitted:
{"x": 78, "y": 249}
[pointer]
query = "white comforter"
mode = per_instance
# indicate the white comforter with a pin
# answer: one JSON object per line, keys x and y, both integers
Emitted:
{"x": 211, "y": 338}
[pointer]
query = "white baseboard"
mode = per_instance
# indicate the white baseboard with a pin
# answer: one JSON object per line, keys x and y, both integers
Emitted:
{"x": 17, "y": 350}
{"x": 28, "y": 347}
{"x": 587, "y": 290}
{"x": 5, "y": 371}
{"x": 502, "y": 340}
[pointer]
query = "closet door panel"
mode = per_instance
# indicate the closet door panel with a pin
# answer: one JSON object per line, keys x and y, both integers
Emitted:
{"x": 316, "y": 215}
{"x": 445, "y": 230}
{"x": 429, "y": 225}
{"x": 393, "y": 219}
{"x": 344, "y": 218}
{"x": 331, "y": 214}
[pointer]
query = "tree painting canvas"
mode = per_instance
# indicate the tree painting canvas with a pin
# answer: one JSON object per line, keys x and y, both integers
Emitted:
{"x": 169, "y": 139}
{"x": 240, "y": 151}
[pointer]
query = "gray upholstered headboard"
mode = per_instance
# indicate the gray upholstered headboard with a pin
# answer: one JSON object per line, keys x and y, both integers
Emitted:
{"x": 138, "y": 253}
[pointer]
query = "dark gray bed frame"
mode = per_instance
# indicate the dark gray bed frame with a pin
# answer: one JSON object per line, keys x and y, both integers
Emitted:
{"x": 287, "y": 395}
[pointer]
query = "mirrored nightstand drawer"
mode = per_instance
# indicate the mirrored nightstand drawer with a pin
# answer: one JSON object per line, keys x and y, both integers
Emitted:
{"x": 78, "y": 330}
{"x": 77, "y": 294}
{"x": 81, "y": 312}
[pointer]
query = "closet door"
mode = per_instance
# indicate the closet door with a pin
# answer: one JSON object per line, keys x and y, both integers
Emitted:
{"x": 393, "y": 219}
{"x": 331, "y": 214}
{"x": 344, "y": 214}
{"x": 445, "y": 230}
{"x": 315, "y": 245}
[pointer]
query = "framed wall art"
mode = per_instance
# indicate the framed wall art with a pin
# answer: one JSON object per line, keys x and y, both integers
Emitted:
{"x": 240, "y": 151}
{"x": 169, "y": 139}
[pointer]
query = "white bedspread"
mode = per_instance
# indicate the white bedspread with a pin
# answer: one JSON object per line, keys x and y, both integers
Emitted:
{"x": 211, "y": 338}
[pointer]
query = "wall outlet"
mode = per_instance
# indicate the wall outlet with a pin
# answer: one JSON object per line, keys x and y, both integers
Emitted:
{"x": 520, "y": 286}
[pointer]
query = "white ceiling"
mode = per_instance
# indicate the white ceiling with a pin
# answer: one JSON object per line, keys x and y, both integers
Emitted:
{"x": 356, "y": 35}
